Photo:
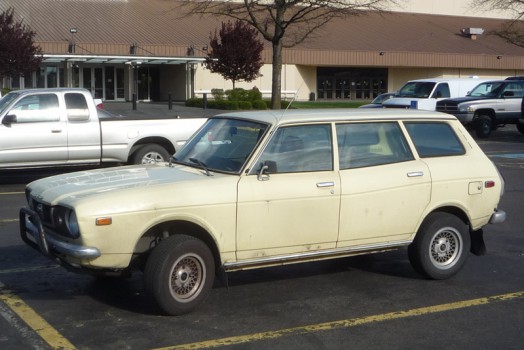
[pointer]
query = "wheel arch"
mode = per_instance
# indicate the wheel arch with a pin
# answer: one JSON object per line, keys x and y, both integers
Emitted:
{"x": 156, "y": 140}
{"x": 173, "y": 227}
{"x": 450, "y": 209}
{"x": 485, "y": 111}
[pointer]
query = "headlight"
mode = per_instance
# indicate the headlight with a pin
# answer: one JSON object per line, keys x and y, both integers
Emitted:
{"x": 72, "y": 224}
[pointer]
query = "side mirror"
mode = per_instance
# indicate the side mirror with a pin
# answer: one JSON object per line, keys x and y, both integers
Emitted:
{"x": 9, "y": 119}
{"x": 268, "y": 167}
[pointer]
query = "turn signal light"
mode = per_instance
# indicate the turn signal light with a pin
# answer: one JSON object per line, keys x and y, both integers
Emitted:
{"x": 103, "y": 221}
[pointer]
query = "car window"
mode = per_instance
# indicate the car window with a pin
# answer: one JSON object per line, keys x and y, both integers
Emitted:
{"x": 513, "y": 89}
{"x": 75, "y": 101}
{"x": 37, "y": 108}
{"x": 299, "y": 149}
{"x": 441, "y": 91}
{"x": 433, "y": 139}
{"x": 368, "y": 144}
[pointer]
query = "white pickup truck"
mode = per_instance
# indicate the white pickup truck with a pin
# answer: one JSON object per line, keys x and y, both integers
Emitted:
{"x": 62, "y": 127}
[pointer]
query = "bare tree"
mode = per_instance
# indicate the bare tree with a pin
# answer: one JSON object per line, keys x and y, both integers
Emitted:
{"x": 512, "y": 30}
{"x": 18, "y": 53}
{"x": 235, "y": 52}
{"x": 284, "y": 23}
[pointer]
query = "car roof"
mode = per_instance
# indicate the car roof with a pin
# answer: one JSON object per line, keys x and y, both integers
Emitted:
{"x": 44, "y": 90}
{"x": 334, "y": 114}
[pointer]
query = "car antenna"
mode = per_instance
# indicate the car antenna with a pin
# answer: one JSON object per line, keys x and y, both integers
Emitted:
{"x": 292, "y": 100}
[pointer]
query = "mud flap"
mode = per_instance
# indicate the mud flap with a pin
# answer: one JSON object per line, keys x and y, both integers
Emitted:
{"x": 478, "y": 247}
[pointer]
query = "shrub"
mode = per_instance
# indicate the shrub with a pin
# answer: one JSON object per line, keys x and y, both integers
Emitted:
{"x": 259, "y": 104}
{"x": 218, "y": 94}
{"x": 245, "y": 105}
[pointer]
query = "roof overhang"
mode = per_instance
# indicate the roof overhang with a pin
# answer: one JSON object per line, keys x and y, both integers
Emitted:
{"x": 133, "y": 60}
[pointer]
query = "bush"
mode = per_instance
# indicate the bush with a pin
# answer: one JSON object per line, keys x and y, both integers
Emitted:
{"x": 195, "y": 102}
{"x": 245, "y": 105}
{"x": 259, "y": 104}
{"x": 218, "y": 94}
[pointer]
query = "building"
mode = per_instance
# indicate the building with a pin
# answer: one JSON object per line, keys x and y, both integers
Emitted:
{"x": 124, "y": 48}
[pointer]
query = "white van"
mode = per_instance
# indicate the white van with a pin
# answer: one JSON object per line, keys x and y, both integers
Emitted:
{"x": 424, "y": 93}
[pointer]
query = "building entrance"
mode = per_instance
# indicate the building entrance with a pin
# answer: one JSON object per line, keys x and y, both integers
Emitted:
{"x": 106, "y": 82}
{"x": 351, "y": 83}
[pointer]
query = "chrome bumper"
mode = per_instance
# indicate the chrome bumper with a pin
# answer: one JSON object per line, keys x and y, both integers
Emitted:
{"x": 33, "y": 234}
{"x": 498, "y": 217}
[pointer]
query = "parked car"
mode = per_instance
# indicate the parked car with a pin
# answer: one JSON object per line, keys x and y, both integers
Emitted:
{"x": 64, "y": 127}
{"x": 489, "y": 105}
{"x": 424, "y": 93}
{"x": 379, "y": 100}
{"x": 256, "y": 189}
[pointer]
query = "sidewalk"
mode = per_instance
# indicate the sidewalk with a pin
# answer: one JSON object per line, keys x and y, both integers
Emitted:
{"x": 158, "y": 110}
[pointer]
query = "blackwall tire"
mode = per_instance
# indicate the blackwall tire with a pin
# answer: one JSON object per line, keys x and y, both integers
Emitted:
{"x": 179, "y": 274}
{"x": 150, "y": 153}
{"x": 441, "y": 246}
{"x": 520, "y": 127}
{"x": 483, "y": 126}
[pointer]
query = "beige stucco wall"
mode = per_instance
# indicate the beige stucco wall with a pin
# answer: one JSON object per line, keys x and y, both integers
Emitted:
{"x": 448, "y": 7}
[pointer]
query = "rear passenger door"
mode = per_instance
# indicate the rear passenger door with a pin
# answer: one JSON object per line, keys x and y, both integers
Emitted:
{"x": 384, "y": 189}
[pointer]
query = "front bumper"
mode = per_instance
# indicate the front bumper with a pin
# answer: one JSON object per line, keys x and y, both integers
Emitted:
{"x": 33, "y": 234}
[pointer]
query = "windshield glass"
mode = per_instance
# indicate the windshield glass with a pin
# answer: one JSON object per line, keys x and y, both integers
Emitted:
{"x": 222, "y": 145}
{"x": 488, "y": 89}
{"x": 416, "y": 89}
{"x": 6, "y": 101}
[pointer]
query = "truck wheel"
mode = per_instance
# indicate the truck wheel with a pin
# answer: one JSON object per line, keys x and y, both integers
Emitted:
{"x": 179, "y": 274}
{"x": 483, "y": 126}
{"x": 520, "y": 127}
{"x": 150, "y": 153}
{"x": 441, "y": 246}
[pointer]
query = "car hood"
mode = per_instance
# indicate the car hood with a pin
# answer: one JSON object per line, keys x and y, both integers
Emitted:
{"x": 462, "y": 99}
{"x": 111, "y": 182}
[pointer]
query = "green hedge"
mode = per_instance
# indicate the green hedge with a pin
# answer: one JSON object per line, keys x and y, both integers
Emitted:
{"x": 234, "y": 99}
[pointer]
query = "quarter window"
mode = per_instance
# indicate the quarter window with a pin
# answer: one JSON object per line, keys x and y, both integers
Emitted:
{"x": 434, "y": 139}
{"x": 369, "y": 144}
{"x": 299, "y": 149}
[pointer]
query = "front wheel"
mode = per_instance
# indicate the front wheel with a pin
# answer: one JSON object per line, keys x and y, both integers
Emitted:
{"x": 441, "y": 246}
{"x": 520, "y": 127}
{"x": 150, "y": 153}
{"x": 483, "y": 126}
{"x": 179, "y": 274}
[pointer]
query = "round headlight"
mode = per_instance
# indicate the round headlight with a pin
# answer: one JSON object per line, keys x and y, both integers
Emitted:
{"x": 72, "y": 224}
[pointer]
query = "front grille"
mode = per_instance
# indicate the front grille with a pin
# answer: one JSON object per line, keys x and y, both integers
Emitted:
{"x": 447, "y": 107}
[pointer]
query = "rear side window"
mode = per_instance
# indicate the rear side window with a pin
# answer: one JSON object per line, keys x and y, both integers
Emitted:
{"x": 369, "y": 144}
{"x": 433, "y": 139}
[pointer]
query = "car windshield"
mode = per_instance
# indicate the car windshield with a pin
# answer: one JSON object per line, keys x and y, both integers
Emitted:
{"x": 222, "y": 145}
{"x": 488, "y": 89}
{"x": 381, "y": 98}
{"x": 6, "y": 101}
{"x": 416, "y": 89}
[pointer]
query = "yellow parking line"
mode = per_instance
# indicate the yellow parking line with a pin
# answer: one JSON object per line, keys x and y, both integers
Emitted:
{"x": 34, "y": 321}
{"x": 8, "y": 220}
{"x": 10, "y": 193}
{"x": 249, "y": 338}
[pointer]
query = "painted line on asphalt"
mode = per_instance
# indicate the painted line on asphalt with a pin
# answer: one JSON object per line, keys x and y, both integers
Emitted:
{"x": 8, "y": 220}
{"x": 354, "y": 322}
{"x": 28, "y": 269}
{"x": 10, "y": 193}
{"x": 34, "y": 321}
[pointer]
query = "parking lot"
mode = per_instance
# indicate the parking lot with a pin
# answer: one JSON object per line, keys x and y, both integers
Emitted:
{"x": 364, "y": 302}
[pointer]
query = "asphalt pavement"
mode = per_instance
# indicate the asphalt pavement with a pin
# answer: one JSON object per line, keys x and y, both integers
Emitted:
{"x": 158, "y": 110}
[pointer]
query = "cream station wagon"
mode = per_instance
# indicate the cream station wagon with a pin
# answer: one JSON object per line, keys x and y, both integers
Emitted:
{"x": 256, "y": 189}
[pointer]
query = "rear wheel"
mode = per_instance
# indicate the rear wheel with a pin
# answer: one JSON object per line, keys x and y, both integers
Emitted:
{"x": 150, "y": 153}
{"x": 520, "y": 127}
{"x": 441, "y": 246}
{"x": 179, "y": 274}
{"x": 483, "y": 126}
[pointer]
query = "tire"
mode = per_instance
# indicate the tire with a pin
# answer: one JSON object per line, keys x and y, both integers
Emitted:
{"x": 150, "y": 153}
{"x": 441, "y": 246}
{"x": 179, "y": 274}
{"x": 520, "y": 127}
{"x": 483, "y": 126}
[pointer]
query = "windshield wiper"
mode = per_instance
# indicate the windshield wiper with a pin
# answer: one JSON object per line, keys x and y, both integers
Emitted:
{"x": 202, "y": 165}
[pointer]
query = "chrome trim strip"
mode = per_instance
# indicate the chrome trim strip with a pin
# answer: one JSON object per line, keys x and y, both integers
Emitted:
{"x": 324, "y": 254}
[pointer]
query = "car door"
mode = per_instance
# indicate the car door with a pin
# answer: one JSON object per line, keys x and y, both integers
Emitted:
{"x": 83, "y": 130}
{"x": 384, "y": 189}
{"x": 36, "y": 135}
{"x": 293, "y": 206}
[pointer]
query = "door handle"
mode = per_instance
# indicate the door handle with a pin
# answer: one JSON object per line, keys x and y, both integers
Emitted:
{"x": 55, "y": 131}
{"x": 325, "y": 184}
{"x": 415, "y": 174}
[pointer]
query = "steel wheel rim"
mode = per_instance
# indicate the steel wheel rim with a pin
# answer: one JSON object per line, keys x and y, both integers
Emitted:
{"x": 152, "y": 157}
{"x": 445, "y": 248}
{"x": 186, "y": 278}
